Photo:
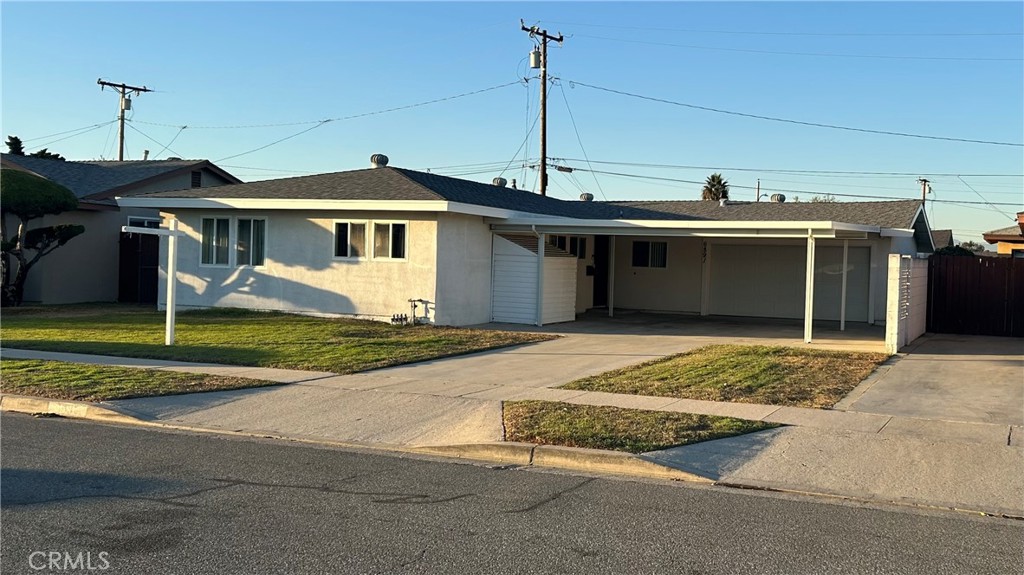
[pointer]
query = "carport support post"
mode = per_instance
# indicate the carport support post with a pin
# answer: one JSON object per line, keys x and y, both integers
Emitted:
{"x": 611, "y": 276}
{"x": 809, "y": 290}
{"x": 541, "y": 240}
{"x": 842, "y": 303}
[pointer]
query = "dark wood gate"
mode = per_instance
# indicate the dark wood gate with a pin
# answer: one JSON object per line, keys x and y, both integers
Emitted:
{"x": 139, "y": 268}
{"x": 976, "y": 295}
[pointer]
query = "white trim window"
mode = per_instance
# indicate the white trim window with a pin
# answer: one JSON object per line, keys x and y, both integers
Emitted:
{"x": 390, "y": 240}
{"x": 251, "y": 242}
{"x": 650, "y": 254}
{"x": 215, "y": 241}
{"x": 349, "y": 240}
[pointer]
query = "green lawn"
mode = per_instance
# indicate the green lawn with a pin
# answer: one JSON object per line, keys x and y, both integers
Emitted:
{"x": 85, "y": 382}
{"x": 630, "y": 430}
{"x": 242, "y": 337}
{"x": 744, "y": 374}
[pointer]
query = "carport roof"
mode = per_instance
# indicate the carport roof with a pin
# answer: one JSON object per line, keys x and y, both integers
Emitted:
{"x": 898, "y": 214}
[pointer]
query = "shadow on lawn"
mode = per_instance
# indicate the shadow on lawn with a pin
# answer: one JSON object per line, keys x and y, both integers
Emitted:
{"x": 247, "y": 356}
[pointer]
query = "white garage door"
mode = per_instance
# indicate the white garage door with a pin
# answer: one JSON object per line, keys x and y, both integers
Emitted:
{"x": 768, "y": 281}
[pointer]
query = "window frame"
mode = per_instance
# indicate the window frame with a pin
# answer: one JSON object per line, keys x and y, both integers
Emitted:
{"x": 230, "y": 243}
{"x": 234, "y": 252}
{"x": 366, "y": 240}
{"x": 144, "y": 222}
{"x": 391, "y": 236}
{"x": 649, "y": 264}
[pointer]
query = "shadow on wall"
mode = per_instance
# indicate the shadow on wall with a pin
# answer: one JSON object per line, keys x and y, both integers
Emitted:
{"x": 254, "y": 289}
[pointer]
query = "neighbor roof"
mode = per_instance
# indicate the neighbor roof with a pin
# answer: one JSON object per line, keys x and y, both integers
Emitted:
{"x": 1010, "y": 233}
{"x": 95, "y": 179}
{"x": 942, "y": 238}
{"x": 398, "y": 184}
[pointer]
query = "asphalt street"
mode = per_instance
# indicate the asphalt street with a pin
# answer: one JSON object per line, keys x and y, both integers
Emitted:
{"x": 154, "y": 501}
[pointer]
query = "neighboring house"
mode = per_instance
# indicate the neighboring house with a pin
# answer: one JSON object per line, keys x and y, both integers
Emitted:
{"x": 942, "y": 238}
{"x": 364, "y": 243}
{"x": 1009, "y": 241}
{"x": 103, "y": 264}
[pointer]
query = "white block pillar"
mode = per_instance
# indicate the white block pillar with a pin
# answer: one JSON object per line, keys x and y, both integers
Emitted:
{"x": 809, "y": 290}
{"x": 842, "y": 301}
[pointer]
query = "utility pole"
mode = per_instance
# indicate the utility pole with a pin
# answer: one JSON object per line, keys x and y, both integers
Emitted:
{"x": 126, "y": 104}
{"x": 925, "y": 188}
{"x": 543, "y": 65}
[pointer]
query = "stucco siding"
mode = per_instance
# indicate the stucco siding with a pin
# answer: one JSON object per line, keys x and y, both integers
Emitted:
{"x": 675, "y": 287}
{"x": 301, "y": 273}
{"x": 463, "y": 270}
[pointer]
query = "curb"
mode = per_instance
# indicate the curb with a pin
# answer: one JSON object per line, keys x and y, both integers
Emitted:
{"x": 75, "y": 409}
{"x": 555, "y": 456}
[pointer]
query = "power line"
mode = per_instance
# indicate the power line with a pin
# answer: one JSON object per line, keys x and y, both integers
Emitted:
{"x": 811, "y": 192}
{"x": 521, "y": 145}
{"x": 788, "y": 53}
{"x": 789, "y": 33}
{"x": 147, "y": 136}
{"x": 983, "y": 198}
{"x": 180, "y": 130}
{"x": 86, "y": 131}
{"x": 786, "y": 171}
{"x": 788, "y": 121}
{"x": 579, "y": 139}
{"x": 275, "y": 142}
{"x": 100, "y": 125}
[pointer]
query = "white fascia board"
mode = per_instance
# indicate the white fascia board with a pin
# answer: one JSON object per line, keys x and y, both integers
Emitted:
{"x": 317, "y": 205}
{"x": 611, "y": 226}
{"x": 896, "y": 233}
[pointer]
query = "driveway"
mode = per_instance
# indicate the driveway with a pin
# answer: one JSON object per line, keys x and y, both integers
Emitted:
{"x": 974, "y": 379}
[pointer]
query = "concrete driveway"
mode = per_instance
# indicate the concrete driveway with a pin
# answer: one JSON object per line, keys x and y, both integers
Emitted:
{"x": 974, "y": 379}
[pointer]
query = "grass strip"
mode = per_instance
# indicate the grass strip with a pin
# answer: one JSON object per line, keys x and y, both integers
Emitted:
{"x": 615, "y": 428}
{"x": 87, "y": 382}
{"x": 771, "y": 375}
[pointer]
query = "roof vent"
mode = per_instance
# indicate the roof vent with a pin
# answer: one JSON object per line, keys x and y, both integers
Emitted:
{"x": 378, "y": 161}
{"x": 500, "y": 182}
{"x": 778, "y": 198}
{"x": 723, "y": 202}
{"x": 587, "y": 197}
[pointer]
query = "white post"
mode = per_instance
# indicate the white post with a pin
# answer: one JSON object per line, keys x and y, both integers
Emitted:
{"x": 541, "y": 240}
{"x": 705, "y": 278}
{"x": 809, "y": 290}
{"x": 842, "y": 304}
{"x": 871, "y": 284}
{"x": 611, "y": 276}
{"x": 172, "y": 276}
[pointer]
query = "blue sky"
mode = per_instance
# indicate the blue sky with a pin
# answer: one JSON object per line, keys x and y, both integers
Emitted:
{"x": 940, "y": 69}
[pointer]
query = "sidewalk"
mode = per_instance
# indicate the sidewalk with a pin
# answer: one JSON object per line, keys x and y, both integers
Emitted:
{"x": 865, "y": 455}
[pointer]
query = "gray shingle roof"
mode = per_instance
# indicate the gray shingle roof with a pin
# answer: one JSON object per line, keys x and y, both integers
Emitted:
{"x": 1013, "y": 231}
{"x": 891, "y": 214}
{"x": 399, "y": 184}
{"x": 88, "y": 178}
{"x": 942, "y": 238}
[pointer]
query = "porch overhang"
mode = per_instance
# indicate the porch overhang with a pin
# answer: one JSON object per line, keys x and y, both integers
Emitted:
{"x": 687, "y": 228}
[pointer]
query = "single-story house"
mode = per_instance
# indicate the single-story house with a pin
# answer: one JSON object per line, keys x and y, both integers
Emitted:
{"x": 369, "y": 243}
{"x": 1009, "y": 241}
{"x": 103, "y": 264}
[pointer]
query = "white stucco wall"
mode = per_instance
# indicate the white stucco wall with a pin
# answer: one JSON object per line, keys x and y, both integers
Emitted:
{"x": 676, "y": 287}
{"x": 463, "y": 270}
{"x": 301, "y": 273}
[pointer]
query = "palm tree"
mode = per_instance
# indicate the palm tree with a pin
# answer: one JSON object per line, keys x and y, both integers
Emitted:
{"x": 715, "y": 188}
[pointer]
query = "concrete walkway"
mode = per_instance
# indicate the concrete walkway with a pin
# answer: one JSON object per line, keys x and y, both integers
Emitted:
{"x": 886, "y": 454}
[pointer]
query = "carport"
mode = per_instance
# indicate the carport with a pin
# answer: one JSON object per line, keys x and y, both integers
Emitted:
{"x": 775, "y": 270}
